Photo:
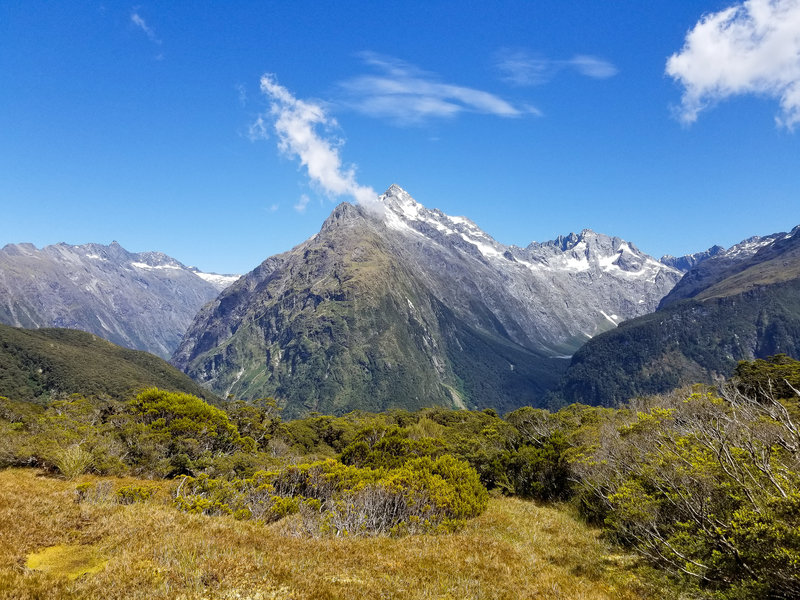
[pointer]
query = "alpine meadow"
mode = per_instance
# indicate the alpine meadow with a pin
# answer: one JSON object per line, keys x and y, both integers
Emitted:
{"x": 369, "y": 379}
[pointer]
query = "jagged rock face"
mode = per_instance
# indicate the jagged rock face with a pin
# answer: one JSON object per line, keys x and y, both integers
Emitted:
{"x": 550, "y": 297}
{"x": 143, "y": 301}
{"x": 405, "y": 306}
{"x": 686, "y": 262}
{"x": 742, "y": 304}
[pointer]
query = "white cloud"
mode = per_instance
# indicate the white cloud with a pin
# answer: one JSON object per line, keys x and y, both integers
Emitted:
{"x": 302, "y": 203}
{"x": 591, "y": 66}
{"x": 257, "y": 130}
{"x": 137, "y": 20}
{"x": 750, "y": 48}
{"x": 408, "y": 95}
{"x": 521, "y": 68}
{"x": 297, "y": 124}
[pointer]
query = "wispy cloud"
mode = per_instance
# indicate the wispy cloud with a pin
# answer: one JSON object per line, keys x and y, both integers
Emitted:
{"x": 302, "y": 203}
{"x": 257, "y": 130}
{"x": 297, "y": 124}
{"x": 406, "y": 94}
{"x": 591, "y": 66}
{"x": 137, "y": 20}
{"x": 750, "y": 48}
{"x": 242, "y": 94}
{"x": 520, "y": 67}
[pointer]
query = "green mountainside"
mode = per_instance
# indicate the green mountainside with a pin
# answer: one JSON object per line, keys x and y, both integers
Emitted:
{"x": 342, "y": 323}
{"x": 39, "y": 364}
{"x": 751, "y": 311}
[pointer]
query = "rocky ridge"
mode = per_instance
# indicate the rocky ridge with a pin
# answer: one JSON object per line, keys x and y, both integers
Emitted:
{"x": 143, "y": 301}
{"x": 741, "y": 304}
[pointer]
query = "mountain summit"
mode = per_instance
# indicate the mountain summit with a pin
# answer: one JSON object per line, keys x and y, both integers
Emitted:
{"x": 408, "y": 307}
{"x": 549, "y": 296}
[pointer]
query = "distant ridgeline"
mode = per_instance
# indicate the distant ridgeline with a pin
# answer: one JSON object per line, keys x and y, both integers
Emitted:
{"x": 43, "y": 364}
{"x": 404, "y": 307}
{"x": 143, "y": 300}
{"x": 737, "y": 305}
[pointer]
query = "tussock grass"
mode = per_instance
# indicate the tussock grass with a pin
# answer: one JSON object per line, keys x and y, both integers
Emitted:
{"x": 515, "y": 550}
{"x": 73, "y": 461}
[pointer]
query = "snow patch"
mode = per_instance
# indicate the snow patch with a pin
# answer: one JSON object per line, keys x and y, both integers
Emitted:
{"x": 147, "y": 267}
{"x": 614, "y": 319}
{"x": 572, "y": 263}
{"x": 749, "y": 247}
{"x": 218, "y": 281}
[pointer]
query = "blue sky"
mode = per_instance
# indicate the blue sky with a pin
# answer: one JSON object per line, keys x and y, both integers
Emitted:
{"x": 153, "y": 124}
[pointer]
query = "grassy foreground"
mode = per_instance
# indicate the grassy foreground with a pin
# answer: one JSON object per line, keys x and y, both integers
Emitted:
{"x": 516, "y": 549}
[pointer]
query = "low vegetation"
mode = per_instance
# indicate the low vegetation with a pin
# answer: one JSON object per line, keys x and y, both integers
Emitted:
{"x": 40, "y": 365}
{"x": 147, "y": 549}
{"x": 701, "y": 485}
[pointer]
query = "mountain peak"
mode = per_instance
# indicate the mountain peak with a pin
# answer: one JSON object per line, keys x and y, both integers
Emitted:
{"x": 342, "y": 215}
{"x": 394, "y": 190}
{"x": 399, "y": 201}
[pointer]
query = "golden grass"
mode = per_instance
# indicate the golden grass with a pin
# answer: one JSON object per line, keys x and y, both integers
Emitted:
{"x": 516, "y": 550}
{"x": 69, "y": 561}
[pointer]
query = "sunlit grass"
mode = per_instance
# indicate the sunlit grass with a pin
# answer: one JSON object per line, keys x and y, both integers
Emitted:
{"x": 516, "y": 549}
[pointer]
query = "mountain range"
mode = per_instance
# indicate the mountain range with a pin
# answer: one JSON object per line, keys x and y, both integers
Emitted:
{"x": 141, "y": 300}
{"x": 395, "y": 305}
{"x": 399, "y": 305}
{"x": 739, "y": 304}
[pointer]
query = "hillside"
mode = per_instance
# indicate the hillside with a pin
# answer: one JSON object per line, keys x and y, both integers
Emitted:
{"x": 739, "y": 305}
{"x": 38, "y": 364}
{"x": 142, "y": 300}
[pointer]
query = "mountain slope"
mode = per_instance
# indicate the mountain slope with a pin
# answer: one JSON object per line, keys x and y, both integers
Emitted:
{"x": 408, "y": 307}
{"x": 549, "y": 296}
{"x": 340, "y": 323}
{"x": 139, "y": 300}
{"x": 41, "y": 363}
{"x": 739, "y": 305}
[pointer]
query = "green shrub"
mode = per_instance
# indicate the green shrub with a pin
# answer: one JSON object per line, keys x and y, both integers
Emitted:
{"x": 132, "y": 493}
{"x": 424, "y": 495}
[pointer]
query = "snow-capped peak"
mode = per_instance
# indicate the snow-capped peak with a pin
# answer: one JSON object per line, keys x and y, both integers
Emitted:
{"x": 406, "y": 214}
{"x": 586, "y": 251}
{"x": 749, "y": 246}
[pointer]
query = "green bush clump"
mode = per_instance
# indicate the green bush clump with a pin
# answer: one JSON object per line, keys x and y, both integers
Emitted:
{"x": 132, "y": 493}
{"x": 72, "y": 461}
{"x": 423, "y": 495}
{"x": 391, "y": 451}
{"x": 705, "y": 485}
